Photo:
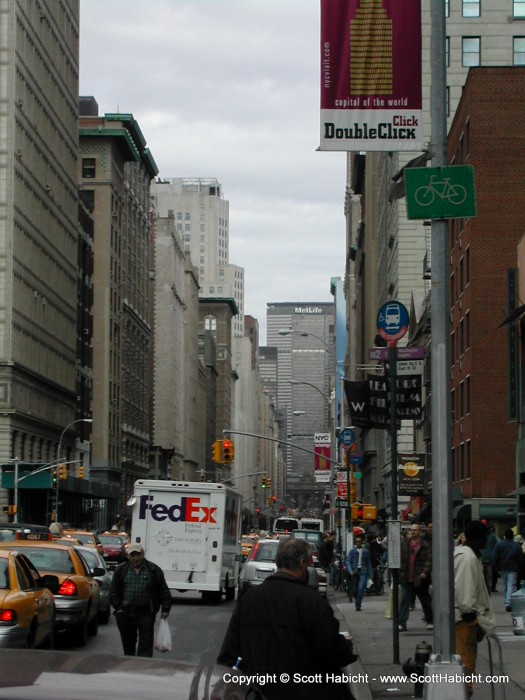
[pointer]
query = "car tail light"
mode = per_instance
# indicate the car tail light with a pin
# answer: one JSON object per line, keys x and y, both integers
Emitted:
{"x": 8, "y": 616}
{"x": 68, "y": 588}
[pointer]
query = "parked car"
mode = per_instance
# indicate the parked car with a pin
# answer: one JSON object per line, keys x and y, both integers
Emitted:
{"x": 27, "y": 606}
{"x": 103, "y": 576}
{"x": 78, "y": 595}
{"x": 261, "y": 563}
{"x": 114, "y": 547}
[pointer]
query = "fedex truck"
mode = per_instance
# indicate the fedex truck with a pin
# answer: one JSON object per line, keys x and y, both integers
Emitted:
{"x": 192, "y": 531}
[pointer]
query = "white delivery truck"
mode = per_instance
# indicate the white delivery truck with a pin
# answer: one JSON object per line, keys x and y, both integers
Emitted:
{"x": 316, "y": 524}
{"x": 192, "y": 531}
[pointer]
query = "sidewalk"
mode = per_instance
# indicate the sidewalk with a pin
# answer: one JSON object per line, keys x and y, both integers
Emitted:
{"x": 372, "y": 633}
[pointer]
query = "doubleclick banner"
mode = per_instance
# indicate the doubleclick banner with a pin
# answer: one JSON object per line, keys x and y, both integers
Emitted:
{"x": 371, "y": 75}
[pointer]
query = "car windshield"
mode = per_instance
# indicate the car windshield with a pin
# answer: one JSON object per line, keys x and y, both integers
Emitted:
{"x": 91, "y": 558}
{"x": 111, "y": 539}
{"x": 56, "y": 560}
{"x": 266, "y": 551}
{"x": 84, "y": 537}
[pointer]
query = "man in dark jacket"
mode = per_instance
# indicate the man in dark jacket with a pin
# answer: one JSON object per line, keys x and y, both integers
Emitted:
{"x": 507, "y": 560}
{"x": 284, "y": 629}
{"x": 414, "y": 576}
{"x": 138, "y": 591}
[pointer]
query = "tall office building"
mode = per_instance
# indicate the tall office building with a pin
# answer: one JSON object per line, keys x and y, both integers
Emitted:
{"x": 202, "y": 218}
{"x": 388, "y": 256}
{"x": 38, "y": 232}
{"x": 303, "y": 333}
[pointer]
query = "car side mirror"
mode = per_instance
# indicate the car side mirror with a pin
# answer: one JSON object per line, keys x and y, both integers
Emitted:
{"x": 240, "y": 557}
{"x": 51, "y": 582}
{"x": 98, "y": 571}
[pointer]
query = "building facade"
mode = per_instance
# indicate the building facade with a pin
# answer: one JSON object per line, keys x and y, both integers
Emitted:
{"x": 303, "y": 333}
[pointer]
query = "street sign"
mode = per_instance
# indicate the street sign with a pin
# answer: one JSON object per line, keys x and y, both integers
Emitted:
{"x": 408, "y": 352}
{"x": 440, "y": 193}
{"x": 392, "y": 321}
{"x": 347, "y": 437}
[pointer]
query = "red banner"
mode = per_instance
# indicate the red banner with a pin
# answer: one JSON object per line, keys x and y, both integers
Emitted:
{"x": 371, "y": 97}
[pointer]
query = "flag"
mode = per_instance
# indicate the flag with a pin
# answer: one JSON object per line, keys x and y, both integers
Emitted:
{"x": 369, "y": 400}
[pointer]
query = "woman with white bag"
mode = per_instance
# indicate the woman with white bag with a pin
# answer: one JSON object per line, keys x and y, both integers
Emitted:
{"x": 138, "y": 591}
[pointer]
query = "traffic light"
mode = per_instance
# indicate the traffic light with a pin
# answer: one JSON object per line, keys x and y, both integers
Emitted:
{"x": 356, "y": 511}
{"x": 216, "y": 451}
{"x": 268, "y": 483}
{"x": 352, "y": 490}
{"x": 269, "y": 500}
{"x": 54, "y": 476}
{"x": 274, "y": 499}
{"x": 228, "y": 450}
{"x": 263, "y": 482}
{"x": 369, "y": 512}
{"x": 62, "y": 471}
{"x": 281, "y": 508}
{"x": 81, "y": 472}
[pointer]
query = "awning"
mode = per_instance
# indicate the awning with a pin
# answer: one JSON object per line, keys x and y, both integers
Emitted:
{"x": 493, "y": 511}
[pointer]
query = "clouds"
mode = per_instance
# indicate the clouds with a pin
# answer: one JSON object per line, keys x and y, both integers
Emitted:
{"x": 230, "y": 89}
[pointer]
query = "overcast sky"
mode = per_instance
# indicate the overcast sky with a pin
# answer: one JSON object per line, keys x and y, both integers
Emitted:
{"x": 230, "y": 89}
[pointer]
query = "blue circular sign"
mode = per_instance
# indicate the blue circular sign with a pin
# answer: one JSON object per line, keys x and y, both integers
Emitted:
{"x": 347, "y": 437}
{"x": 392, "y": 321}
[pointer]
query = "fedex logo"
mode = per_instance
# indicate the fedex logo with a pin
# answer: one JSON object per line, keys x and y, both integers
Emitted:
{"x": 188, "y": 510}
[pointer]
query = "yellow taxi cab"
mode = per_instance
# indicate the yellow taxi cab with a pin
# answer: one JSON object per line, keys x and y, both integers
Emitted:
{"x": 27, "y": 606}
{"x": 78, "y": 594}
{"x": 247, "y": 544}
{"x": 88, "y": 539}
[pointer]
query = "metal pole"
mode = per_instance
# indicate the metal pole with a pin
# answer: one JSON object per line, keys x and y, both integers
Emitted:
{"x": 59, "y": 452}
{"x": 15, "y": 484}
{"x": 392, "y": 363}
{"x": 443, "y": 580}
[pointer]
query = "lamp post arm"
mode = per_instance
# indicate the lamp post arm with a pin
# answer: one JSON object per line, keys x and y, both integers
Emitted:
{"x": 241, "y": 476}
{"x": 282, "y": 442}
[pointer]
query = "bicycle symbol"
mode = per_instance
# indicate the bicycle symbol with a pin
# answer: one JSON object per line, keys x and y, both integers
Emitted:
{"x": 425, "y": 195}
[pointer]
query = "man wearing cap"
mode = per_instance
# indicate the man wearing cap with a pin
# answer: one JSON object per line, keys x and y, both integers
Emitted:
{"x": 138, "y": 591}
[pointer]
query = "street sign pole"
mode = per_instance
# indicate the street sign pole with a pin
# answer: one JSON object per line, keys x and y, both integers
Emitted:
{"x": 392, "y": 361}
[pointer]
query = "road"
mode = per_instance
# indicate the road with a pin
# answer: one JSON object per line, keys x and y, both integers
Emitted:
{"x": 197, "y": 631}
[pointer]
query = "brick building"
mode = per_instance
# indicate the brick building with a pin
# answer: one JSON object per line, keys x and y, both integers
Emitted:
{"x": 487, "y": 133}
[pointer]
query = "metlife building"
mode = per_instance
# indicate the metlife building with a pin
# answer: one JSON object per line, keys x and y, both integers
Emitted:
{"x": 304, "y": 335}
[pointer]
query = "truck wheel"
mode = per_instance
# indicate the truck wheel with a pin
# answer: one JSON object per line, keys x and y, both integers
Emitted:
{"x": 211, "y": 597}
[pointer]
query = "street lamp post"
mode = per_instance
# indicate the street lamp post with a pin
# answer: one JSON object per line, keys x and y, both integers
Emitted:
{"x": 59, "y": 453}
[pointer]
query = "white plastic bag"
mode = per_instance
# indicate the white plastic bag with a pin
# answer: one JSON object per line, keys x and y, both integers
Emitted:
{"x": 163, "y": 638}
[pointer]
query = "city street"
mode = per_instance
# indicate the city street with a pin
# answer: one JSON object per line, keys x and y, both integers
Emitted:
{"x": 196, "y": 631}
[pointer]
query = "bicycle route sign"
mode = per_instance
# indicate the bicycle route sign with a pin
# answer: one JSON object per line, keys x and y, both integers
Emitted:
{"x": 440, "y": 193}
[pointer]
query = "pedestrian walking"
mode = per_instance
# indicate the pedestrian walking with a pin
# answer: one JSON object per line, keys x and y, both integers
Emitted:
{"x": 507, "y": 560}
{"x": 473, "y": 612}
{"x": 284, "y": 629}
{"x": 359, "y": 569}
{"x": 138, "y": 591}
{"x": 415, "y": 576}
{"x": 487, "y": 559}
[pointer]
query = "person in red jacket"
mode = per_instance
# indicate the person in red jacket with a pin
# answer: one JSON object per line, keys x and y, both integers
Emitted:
{"x": 285, "y": 629}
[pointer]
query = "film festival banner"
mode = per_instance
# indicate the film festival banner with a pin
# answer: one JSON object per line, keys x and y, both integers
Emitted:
{"x": 410, "y": 474}
{"x": 371, "y": 97}
{"x": 322, "y": 464}
{"x": 369, "y": 400}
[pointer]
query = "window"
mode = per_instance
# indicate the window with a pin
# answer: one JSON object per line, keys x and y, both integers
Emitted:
{"x": 447, "y": 51}
{"x": 187, "y": 216}
{"x": 447, "y": 8}
{"x": 447, "y": 101}
{"x": 467, "y": 330}
{"x": 210, "y": 323}
{"x": 471, "y": 49}
{"x": 467, "y": 396}
{"x": 518, "y": 50}
{"x": 518, "y": 9}
{"x": 471, "y": 8}
{"x": 467, "y": 266}
{"x": 89, "y": 169}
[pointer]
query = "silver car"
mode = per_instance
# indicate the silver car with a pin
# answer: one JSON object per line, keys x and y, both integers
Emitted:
{"x": 260, "y": 564}
{"x": 94, "y": 560}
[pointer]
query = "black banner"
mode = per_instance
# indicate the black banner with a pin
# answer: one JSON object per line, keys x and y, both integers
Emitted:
{"x": 369, "y": 400}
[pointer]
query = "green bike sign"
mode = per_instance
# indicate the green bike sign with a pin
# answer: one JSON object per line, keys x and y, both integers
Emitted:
{"x": 440, "y": 193}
